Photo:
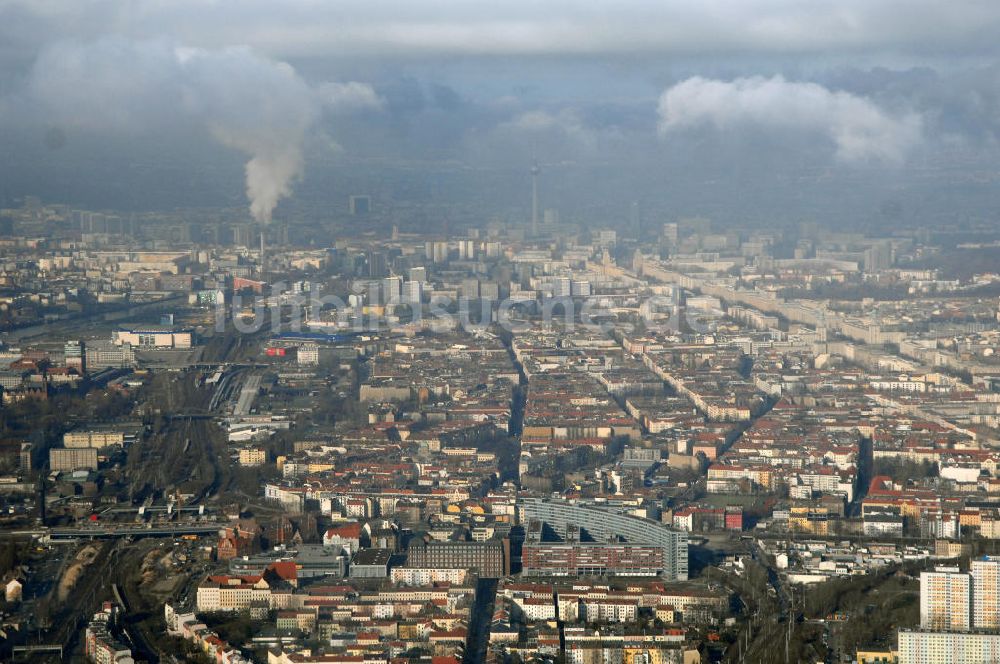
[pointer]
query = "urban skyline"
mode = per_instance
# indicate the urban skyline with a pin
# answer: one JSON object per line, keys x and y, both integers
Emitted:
{"x": 452, "y": 333}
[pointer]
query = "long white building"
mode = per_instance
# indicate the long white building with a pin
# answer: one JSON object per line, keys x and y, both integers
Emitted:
{"x": 933, "y": 647}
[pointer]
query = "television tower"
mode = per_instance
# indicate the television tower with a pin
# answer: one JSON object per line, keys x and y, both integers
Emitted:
{"x": 534, "y": 198}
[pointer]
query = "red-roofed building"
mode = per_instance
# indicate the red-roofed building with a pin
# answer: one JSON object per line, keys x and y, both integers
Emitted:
{"x": 347, "y": 536}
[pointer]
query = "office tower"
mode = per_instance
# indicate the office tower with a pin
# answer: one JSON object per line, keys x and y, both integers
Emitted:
{"x": 376, "y": 263}
{"x": 73, "y": 354}
{"x": 878, "y": 257}
{"x": 242, "y": 235}
{"x": 985, "y": 592}
{"x": 413, "y": 292}
{"x": 418, "y": 274}
{"x": 580, "y": 288}
{"x": 809, "y": 230}
{"x": 670, "y": 234}
{"x": 694, "y": 226}
{"x": 24, "y": 459}
{"x": 470, "y": 288}
{"x": 562, "y": 287}
{"x": 360, "y": 205}
{"x": 534, "y": 198}
{"x": 373, "y": 293}
{"x": 945, "y": 599}
{"x": 392, "y": 289}
{"x": 489, "y": 290}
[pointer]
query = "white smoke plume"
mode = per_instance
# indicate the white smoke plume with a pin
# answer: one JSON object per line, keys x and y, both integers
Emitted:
{"x": 858, "y": 129}
{"x": 260, "y": 107}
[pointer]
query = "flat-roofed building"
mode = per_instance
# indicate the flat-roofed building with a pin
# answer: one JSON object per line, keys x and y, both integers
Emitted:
{"x": 945, "y": 599}
{"x": 934, "y": 647}
{"x": 487, "y": 559}
{"x": 63, "y": 459}
{"x": 620, "y": 543}
{"x": 93, "y": 438}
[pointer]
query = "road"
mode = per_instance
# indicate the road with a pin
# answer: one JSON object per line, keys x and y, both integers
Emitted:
{"x": 482, "y": 618}
{"x": 866, "y": 464}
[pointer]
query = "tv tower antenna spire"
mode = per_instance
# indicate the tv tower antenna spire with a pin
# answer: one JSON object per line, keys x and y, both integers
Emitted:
{"x": 534, "y": 197}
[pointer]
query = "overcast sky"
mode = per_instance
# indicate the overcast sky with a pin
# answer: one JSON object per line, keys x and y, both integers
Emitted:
{"x": 295, "y": 28}
{"x": 711, "y": 91}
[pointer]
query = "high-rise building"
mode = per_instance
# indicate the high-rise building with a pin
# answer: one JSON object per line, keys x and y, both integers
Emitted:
{"x": 466, "y": 249}
{"x": 562, "y": 287}
{"x": 417, "y": 274}
{"x": 376, "y": 264}
{"x": 670, "y": 234}
{"x": 985, "y": 574}
{"x": 73, "y": 354}
{"x": 470, "y": 288}
{"x": 436, "y": 251}
{"x": 489, "y": 290}
{"x": 360, "y": 205}
{"x": 25, "y": 458}
{"x": 392, "y": 290}
{"x": 878, "y": 257}
{"x": 945, "y": 599}
{"x": 606, "y": 237}
{"x": 413, "y": 292}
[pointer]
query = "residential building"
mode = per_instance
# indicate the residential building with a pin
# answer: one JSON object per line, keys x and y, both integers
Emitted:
{"x": 945, "y": 599}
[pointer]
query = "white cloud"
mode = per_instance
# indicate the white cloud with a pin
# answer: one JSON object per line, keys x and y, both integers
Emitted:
{"x": 349, "y": 97}
{"x": 564, "y": 123}
{"x": 858, "y": 129}
{"x": 258, "y": 106}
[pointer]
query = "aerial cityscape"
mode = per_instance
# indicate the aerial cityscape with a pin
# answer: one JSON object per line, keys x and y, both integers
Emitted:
{"x": 444, "y": 333}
